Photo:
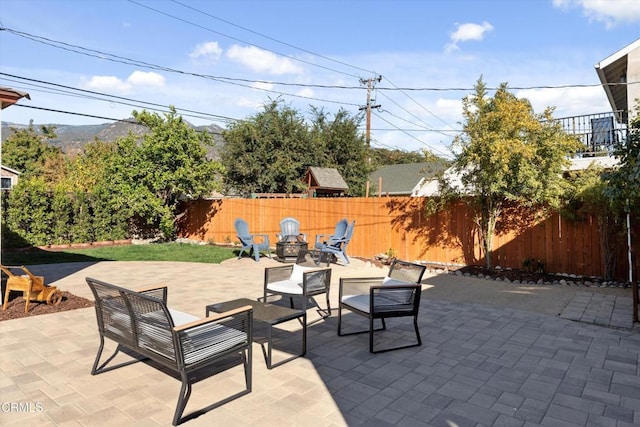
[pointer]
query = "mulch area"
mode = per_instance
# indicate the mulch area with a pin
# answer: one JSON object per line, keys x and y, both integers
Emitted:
{"x": 512, "y": 274}
{"x": 15, "y": 307}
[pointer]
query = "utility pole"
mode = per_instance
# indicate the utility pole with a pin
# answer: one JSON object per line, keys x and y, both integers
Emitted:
{"x": 370, "y": 85}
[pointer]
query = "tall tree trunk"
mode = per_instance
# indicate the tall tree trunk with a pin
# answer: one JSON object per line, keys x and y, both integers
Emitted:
{"x": 490, "y": 212}
{"x": 611, "y": 237}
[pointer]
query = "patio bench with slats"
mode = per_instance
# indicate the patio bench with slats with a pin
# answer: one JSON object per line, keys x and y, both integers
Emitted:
{"x": 141, "y": 322}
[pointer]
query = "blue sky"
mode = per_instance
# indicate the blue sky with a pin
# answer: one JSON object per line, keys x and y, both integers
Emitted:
{"x": 222, "y": 60}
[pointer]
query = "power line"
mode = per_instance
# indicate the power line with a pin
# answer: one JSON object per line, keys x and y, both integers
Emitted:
{"x": 223, "y": 79}
{"x": 432, "y": 148}
{"x": 271, "y": 38}
{"x": 426, "y": 129}
{"x": 128, "y": 61}
{"x": 420, "y": 105}
{"x": 77, "y": 114}
{"x": 200, "y": 113}
{"x": 236, "y": 39}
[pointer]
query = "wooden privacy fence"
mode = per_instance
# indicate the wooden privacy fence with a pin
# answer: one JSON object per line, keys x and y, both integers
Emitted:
{"x": 401, "y": 225}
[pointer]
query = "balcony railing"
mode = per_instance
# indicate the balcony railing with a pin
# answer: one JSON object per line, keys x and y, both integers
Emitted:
{"x": 598, "y": 132}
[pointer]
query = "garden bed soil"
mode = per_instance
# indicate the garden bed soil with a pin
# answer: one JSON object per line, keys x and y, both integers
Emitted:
{"x": 511, "y": 275}
{"x": 15, "y": 307}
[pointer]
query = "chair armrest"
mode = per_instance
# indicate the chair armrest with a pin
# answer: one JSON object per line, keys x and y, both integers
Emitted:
{"x": 323, "y": 239}
{"x": 357, "y": 285}
{"x": 396, "y": 286}
{"x": 317, "y": 280}
{"x": 155, "y": 291}
{"x": 215, "y": 317}
{"x": 394, "y": 297}
{"x": 263, "y": 237}
{"x": 335, "y": 244}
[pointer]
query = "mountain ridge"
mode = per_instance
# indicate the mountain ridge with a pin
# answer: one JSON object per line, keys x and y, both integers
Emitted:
{"x": 71, "y": 139}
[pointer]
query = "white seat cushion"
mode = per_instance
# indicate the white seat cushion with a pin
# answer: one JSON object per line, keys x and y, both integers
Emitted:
{"x": 297, "y": 274}
{"x": 286, "y": 286}
{"x": 359, "y": 302}
{"x": 180, "y": 318}
{"x": 293, "y": 285}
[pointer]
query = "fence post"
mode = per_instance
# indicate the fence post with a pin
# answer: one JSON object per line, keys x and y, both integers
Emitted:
{"x": 634, "y": 286}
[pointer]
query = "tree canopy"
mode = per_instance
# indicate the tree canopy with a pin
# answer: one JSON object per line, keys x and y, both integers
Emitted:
{"x": 109, "y": 190}
{"x": 27, "y": 151}
{"x": 147, "y": 178}
{"x": 623, "y": 187}
{"x": 271, "y": 151}
{"x": 507, "y": 153}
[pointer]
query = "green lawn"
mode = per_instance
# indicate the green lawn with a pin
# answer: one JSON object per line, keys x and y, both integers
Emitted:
{"x": 150, "y": 252}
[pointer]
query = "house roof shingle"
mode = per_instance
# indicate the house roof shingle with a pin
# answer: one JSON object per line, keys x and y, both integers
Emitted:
{"x": 400, "y": 179}
{"x": 326, "y": 178}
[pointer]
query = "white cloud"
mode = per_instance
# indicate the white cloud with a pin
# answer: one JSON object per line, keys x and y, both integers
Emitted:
{"x": 142, "y": 78}
{"x": 451, "y": 108}
{"x": 108, "y": 84}
{"x": 466, "y": 32}
{"x": 262, "y": 61}
{"x": 246, "y": 102}
{"x": 262, "y": 85}
{"x": 208, "y": 50}
{"x": 117, "y": 85}
{"x": 470, "y": 31}
{"x": 307, "y": 92}
{"x": 568, "y": 101}
{"x": 608, "y": 12}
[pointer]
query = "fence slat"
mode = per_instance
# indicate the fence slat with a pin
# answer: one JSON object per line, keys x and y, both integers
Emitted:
{"x": 400, "y": 224}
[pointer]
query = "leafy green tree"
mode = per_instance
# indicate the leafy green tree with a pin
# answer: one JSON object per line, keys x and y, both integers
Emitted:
{"x": 271, "y": 151}
{"x": 383, "y": 156}
{"x": 86, "y": 170}
{"x": 29, "y": 214}
{"x": 623, "y": 187}
{"x": 108, "y": 221}
{"x": 266, "y": 153}
{"x": 61, "y": 216}
{"x": 586, "y": 196}
{"x": 339, "y": 145}
{"x": 623, "y": 182}
{"x": 27, "y": 151}
{"x": 506, "y": 154}
{"x": 149, "y": 177}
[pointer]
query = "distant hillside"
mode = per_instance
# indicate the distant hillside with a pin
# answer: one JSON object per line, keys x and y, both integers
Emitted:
{"x": 72, "y": 138}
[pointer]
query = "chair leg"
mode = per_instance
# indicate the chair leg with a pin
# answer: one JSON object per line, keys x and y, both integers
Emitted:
{"x": 247, "y": 367}
{"x": 415, "y": 326}
{"x": 343, "y": 258}
{"x": 6, "y": 297}
{"x": 95, "y": 363}
{"x": 27, "y": 298}
{"x": 418, "y": 339}
{"x": 370, "y": 329}
{"x": 328, "y": 305}
{"x": 371, "y": 333}
{"x": 185, "y": 393}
